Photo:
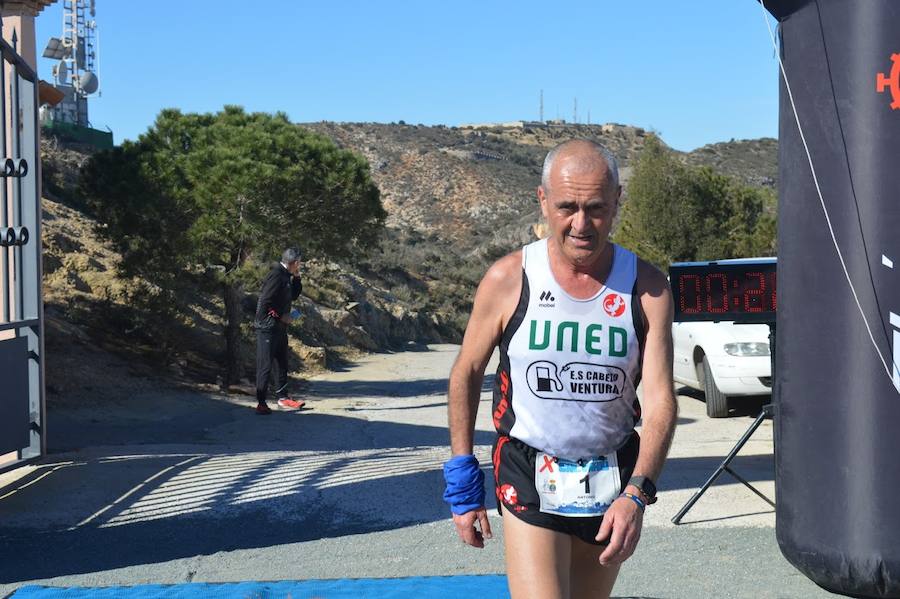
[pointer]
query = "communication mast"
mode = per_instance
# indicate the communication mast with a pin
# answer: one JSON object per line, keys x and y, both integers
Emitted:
{"x": 541, "y": 112}
{"x": 78, "y": 54}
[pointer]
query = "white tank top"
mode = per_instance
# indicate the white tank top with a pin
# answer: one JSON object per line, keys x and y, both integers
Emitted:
{"x": 569, "y": 367}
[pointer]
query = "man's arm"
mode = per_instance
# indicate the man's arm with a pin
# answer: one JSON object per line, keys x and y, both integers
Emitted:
{"x": 622, "y": 522}
{"x": 494, "y": 303}
{"x": 296, "y": 288}
{"x": 659, "y": 408}
{"x": 269, "y": 286}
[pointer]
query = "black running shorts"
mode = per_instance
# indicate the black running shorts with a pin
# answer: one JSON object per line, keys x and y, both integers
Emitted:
{"x": 514, "y": 467}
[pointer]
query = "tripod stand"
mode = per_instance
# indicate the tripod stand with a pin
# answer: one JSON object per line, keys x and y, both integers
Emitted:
{"x": 767, "y": 412}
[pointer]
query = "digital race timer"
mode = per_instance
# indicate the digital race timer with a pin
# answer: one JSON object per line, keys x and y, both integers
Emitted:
{"x": 742, "y": 290}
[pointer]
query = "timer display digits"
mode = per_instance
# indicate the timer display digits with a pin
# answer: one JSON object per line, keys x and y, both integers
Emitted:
{"x": 738, "y": 290}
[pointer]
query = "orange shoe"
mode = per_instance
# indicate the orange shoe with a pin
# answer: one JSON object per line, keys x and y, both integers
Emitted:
{"x": 289, "y": 403}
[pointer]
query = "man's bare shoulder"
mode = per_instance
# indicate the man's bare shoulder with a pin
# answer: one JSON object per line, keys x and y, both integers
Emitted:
{"x": 505, "y": 274}
{"x": 494, "y": 302}
{"x": 653, "y": 290}
{"x": 650, "y": 279}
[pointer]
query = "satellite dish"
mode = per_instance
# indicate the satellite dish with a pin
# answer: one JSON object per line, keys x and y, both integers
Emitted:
{"x": 61, "y": 72}
{"x": 88, "y": 82}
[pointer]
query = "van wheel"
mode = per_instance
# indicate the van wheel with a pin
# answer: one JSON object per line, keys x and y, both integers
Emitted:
{"x": 716, "y": 401}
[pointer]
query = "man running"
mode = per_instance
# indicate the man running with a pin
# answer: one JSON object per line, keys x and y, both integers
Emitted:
{"x": 579, "y": 322}
{"x": 281, "y": 287}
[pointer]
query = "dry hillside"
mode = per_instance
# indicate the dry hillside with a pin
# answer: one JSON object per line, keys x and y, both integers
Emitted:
{"x": 753, "y": 161}
{"x": 456, "y": 199}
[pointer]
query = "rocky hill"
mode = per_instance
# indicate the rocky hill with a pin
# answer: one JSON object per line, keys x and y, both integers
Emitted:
{"x": 472, "y": 187}
{"x": 753, "y": 161}
{"x": 457, "y": 198}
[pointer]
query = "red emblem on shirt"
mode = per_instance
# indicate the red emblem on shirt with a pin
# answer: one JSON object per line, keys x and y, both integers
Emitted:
{"x": 614, "y": 305}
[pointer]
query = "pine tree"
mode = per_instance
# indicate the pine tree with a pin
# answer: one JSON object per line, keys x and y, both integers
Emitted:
{"x": 209, "y": 196}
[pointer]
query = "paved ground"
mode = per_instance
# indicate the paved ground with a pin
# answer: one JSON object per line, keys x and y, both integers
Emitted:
{"x": 169, "y": 486}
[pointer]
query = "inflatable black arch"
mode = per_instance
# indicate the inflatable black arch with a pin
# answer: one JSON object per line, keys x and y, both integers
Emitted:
{"x": 837, "y": 387}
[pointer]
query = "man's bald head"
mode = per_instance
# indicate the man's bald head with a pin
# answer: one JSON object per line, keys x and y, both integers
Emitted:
{"x": 583, "y": 155}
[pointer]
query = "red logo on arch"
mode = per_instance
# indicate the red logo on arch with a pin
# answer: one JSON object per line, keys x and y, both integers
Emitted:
{"x": 891, "y": 83}
{"x": 614, "y": 305}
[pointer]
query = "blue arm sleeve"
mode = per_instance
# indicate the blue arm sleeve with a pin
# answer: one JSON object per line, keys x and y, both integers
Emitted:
{"x": 465, "y": 484}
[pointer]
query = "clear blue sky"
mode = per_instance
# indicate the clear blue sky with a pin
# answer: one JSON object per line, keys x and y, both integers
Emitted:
{"x": 698, "y": 72}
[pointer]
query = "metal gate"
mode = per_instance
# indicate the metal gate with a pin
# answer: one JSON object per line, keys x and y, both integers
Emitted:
{"x": 22, "y": 403}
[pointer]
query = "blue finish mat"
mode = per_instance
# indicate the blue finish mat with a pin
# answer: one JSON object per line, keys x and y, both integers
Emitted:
{"x": 433, "y": 587}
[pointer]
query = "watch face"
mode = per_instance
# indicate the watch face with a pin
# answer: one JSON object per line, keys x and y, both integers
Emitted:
{"x": 645, "y": 485}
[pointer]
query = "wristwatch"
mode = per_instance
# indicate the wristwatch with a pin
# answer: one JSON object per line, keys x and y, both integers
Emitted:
{"x": 648, "y": 489}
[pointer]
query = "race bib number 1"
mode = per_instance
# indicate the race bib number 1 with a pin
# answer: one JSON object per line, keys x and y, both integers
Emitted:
{"x": 584, "y": 488}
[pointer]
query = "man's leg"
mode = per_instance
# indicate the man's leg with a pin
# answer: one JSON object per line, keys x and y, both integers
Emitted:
{"x": 538, "y": 560}
{"x": 588, "y": 578}
{"x": 279, "y": 353}
{"x": 263, "y": 367}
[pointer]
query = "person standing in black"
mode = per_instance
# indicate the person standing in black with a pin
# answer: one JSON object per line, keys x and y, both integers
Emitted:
{"x": 273, "y": 313}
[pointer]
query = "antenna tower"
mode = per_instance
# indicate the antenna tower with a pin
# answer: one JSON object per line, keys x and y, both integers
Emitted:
{"x": 541, "y": 119}
{"x": 76, "y": 74}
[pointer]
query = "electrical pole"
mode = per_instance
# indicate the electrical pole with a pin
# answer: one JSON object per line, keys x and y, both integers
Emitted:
{"x": 541, "y": 119}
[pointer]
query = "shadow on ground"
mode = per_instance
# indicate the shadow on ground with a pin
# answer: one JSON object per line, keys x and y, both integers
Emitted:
{"x": 750, "y": 405}
{"x": 381, "y": 389}
{"x": 184, "y": 511}
{"x": 692, "y": 472}
{"x": 145, "y": 481}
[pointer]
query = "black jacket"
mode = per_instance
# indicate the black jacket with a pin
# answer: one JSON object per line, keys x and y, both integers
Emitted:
{"x": 279, "y": 289}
